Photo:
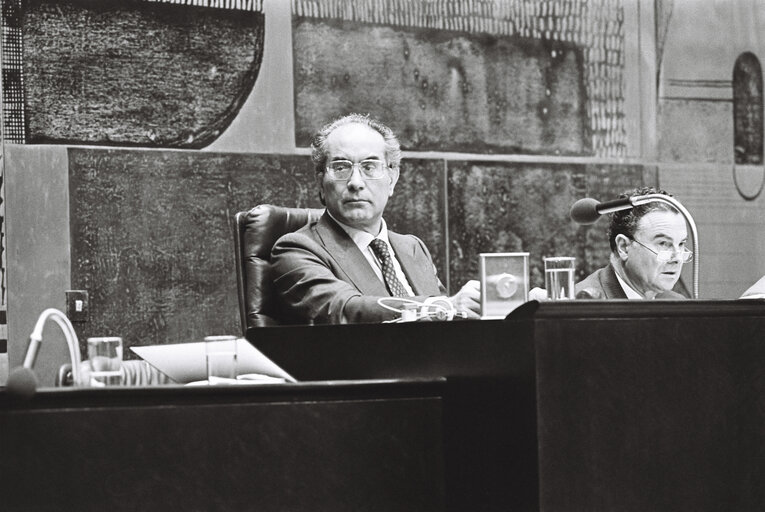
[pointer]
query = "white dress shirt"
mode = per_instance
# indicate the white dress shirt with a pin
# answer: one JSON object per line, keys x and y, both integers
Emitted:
{"x": 631, "y": 294}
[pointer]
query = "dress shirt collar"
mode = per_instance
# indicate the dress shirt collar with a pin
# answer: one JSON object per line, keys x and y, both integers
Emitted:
{"x": 631, "y": 294}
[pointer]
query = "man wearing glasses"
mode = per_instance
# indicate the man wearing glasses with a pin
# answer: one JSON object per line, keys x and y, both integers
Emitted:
{"x": 648, "y": 249}
{"x": 346, "y": 267}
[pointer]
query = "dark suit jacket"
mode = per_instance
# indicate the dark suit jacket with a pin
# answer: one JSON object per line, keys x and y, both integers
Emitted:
{"x": 321, "y": 276}
{"x": 603, "y": 284}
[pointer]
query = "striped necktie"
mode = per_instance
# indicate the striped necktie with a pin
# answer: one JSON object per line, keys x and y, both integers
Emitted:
{"x": 380, "y": 248}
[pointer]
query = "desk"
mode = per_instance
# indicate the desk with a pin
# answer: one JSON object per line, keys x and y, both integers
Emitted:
{"x": 490, "y": 396}
{"x": 655, "y": 407}
{"x": 580, "y": 405}
{"x": 332, "y": 446}
{"x": 584, "y": 405}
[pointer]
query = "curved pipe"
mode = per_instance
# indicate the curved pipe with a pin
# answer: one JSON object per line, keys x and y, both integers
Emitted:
{"x": 35, "y": 340}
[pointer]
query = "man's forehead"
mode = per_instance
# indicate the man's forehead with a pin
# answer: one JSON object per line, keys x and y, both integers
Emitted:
{"x": 353, "y": 131}
{"x": 662, "y": 223}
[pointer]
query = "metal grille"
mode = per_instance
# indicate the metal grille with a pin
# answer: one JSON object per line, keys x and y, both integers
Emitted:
{"x": 13, "y": 129}
{"x": 237, "y": 5}
{"x": 596, "y": 26}
{"x": 12, "y": 72}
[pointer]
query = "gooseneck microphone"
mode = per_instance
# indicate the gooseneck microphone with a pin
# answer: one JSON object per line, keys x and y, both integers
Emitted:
{"x": 588, "y": 210}
{"x": 22, "y": 381}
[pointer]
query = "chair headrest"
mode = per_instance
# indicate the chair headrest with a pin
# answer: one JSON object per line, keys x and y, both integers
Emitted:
{"x": 266, "y": 223}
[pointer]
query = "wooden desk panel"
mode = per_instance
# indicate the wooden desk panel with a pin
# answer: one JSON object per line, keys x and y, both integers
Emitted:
{"x": 320, "y": 446}
{"x": 657, "y": 406}
{"x": 490, "y": 400}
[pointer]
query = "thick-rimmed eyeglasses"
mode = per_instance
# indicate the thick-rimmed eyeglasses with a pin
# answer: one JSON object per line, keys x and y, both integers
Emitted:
{"x": 343, "y": 169}
{"x": 664, "y": 255}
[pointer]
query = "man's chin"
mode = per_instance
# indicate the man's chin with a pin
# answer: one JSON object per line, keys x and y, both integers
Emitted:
{"x": 356, "y": 217}
{"x": 668, "y": 281}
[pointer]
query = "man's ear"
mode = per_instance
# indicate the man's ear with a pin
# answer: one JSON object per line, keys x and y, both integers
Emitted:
{"x": 393, "y": 175}
{"x": 320, "y": 183}
{"x": 622, "y": 246}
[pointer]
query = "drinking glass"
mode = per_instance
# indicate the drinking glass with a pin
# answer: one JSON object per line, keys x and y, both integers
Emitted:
{"x": 221, "y": 359}
{"x": 105, "y": 359}
{"x": 559, "y": 277}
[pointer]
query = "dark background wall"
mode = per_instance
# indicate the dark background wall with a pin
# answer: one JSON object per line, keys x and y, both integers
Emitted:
{"x": 151, "y": 231}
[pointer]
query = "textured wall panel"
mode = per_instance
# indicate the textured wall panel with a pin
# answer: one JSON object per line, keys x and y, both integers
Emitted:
{"x": 136, "y": 73}
{"x": 418, "y": 206}
{"x": 482, "y": 75}
{"x": 442, "y": 90}
{"x": 152, "y": 241}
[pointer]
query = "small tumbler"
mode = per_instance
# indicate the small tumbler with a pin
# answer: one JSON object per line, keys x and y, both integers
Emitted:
{"x": 105, "y": 359}
{"x": 559, "y": 278}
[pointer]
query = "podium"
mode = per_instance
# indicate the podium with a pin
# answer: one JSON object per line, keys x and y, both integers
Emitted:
{"x": 651, "y": 406}
{"x": 579, "y": 405}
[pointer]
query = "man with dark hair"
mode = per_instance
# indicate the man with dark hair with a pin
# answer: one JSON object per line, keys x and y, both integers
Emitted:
{"x": 648, "y": 249}
{"x": 347, "y": 266}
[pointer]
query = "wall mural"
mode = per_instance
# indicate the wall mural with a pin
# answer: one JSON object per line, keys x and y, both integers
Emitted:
{"x": 137, "y": 73}
{"x": 483, "y": 76}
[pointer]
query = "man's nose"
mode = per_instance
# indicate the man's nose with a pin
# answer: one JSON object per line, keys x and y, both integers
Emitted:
{"x": 675, "y": 256}
{"x": 356, "y": 180}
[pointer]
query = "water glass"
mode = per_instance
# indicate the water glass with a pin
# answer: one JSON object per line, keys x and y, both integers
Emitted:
{"x": 105, "y": 359}
{"x": 559, "y": 277}
{"x": 221, "y": 359}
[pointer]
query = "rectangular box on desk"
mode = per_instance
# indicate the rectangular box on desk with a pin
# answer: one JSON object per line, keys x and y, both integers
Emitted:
{"x": 504, "y": 282}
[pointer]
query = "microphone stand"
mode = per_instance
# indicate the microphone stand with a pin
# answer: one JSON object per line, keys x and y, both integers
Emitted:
{"x": 648, "y": 198}
{"x": 35, "y": 339}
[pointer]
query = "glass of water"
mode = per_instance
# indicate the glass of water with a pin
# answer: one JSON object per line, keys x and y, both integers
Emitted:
{"x": 559, "y": 277}
{"x": 221, "y": 359}
{"x": 105, "y": 359}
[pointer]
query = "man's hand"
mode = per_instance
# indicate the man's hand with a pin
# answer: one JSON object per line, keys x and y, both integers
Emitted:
{"x": 538, "y": 293}
{"x": 467, "y": 301}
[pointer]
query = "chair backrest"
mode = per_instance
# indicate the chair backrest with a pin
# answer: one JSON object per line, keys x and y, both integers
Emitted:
{"x": 255, "y": 233}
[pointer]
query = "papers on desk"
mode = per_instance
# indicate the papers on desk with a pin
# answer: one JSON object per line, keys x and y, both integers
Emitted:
{"x": 248, "y": 379}
{"x": 187, "y": 362}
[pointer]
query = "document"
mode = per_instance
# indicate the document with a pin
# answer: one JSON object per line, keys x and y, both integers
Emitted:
{"x": 187, "y": 362}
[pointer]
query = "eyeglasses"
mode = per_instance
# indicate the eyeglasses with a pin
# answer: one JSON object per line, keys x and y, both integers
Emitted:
{"x": 665, "y": 255}
{"x": 342, "y": 170}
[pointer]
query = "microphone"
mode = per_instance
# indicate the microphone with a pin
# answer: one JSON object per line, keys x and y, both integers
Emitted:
{"x": 588, "y": 210}
{"x": 22, "y": 383}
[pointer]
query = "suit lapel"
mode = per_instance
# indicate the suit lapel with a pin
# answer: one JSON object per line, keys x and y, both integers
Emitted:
{"x": 348, "y": 257}
{"x": 611, "y": 284}
{"x": 419, "y": 276}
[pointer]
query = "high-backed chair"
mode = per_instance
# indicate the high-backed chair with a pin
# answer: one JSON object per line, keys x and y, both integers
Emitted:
{"x": 255, "y": 233}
